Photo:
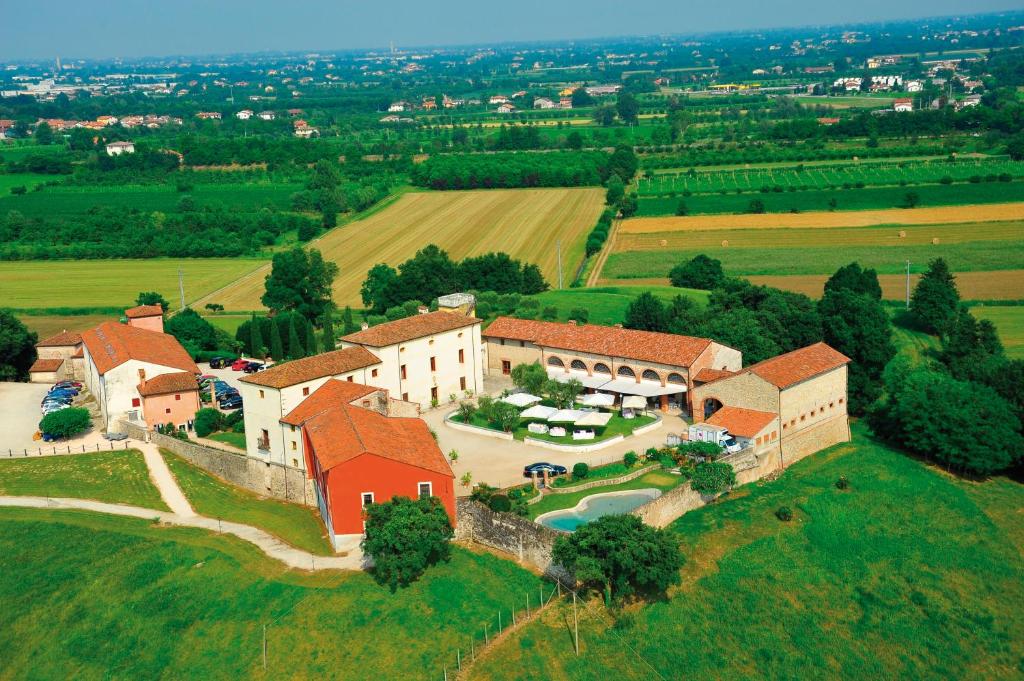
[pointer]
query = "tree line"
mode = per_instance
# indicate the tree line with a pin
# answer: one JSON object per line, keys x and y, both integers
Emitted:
{"x": 510, "y": 170}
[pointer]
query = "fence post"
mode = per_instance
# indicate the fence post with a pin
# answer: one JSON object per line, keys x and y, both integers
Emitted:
{"x": 527, "y": 605}
{"x": 499, "y": 621}
{"x": 264, "y": 647}
{"x": 486, "y": 641}
{"x": 458, "y": 658}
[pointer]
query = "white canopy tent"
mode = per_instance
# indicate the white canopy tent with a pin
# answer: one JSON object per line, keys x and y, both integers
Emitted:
{"x": 521, "y": 399}
{"x": 594, "y": 418}
{"x": 634, "y": 402}
{"x": 644, "y": 388}
{"x": 597, "y": 400}
{"x": 566, "y": 416}
{"x": 588, "y": 381}
{"x": 538, "y": 411}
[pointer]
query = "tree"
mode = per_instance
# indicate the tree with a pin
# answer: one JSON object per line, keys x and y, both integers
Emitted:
{"x": 646, "y": 313}
{"x": 466, "y": 412}
{"x": 563, "y": 393}
{"x": 533, "y": 281}
{"x": 192, "y": 331}
{"x": 311, "y": 345}
{"x": 699, "y": 272}
{"x": 295, "y": 349}
{"x": 623, "y": 162}
{"x": 935, "y": 299}
{"x": 857, "y": 325}
{"x": 620, "y": 555}
{"x": 348, "y": 322}
{"x": 17, "y": 348}
{"x": 66, "y": 422}
{"x": 152, "y": 298}
{"x": 712, "y": 477}
{"x": 256, "y": 345}
{"x": 740, "y": 329}
{"x": 616, "y": 190}
{"x": 405, "y": 537}
{"x": 505, "y": 416}
{"x": 214, "y": 307}
{"x": 300, "y": 281}
{"x": 377, "y": 281}
{"x": 208, "y": 420}
{"x": 627, "y": 107}
{"x": 580, "y": 98}
{"x": 681, "y": 208}
{"x": 756, "y": 206}
{"x": 604, "y": 115}
{"x": 44, "y": 133}
{"x": 1015, "y": 147}
{"x": 529, "y": 377}
{"x": 276, "y": 344}
{"x": 851, "y": 277}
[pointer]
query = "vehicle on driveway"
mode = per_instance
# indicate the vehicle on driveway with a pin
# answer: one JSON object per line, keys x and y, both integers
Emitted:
{"x": 230, "y": 395}
{"x": 233, "y": 402}
{"x": 220, "y": 388}
{"x": 54, "y": 401}
{"x": 253, "y": 367}
{"x": 47, "y": 437}
{"x": 221, "y": 362}
{"x": 63, "y": 391}
{"x": 239, "y": 364}
{"x": 67, "y": 384}
{"x": 115, "y": 437}
{"x": 541, "y": 467}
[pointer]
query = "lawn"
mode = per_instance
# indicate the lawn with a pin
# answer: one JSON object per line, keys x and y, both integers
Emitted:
{"x": 910, "y": 573}
{"x": 554, "y": 502}
{"x": 118, "y": 476}
{"x": 1009, "y": 320}
{"x": 27, "y": 180}
{"x": 617, "y": 426}
{"x": 607, "y": 305}
{"x": 49, "y": 325}
{"x": 236, "y": 440}
{"x": 298, "y": 525}
{"x": 114, "y": 283}
{"x": 525, "y": 223}
{"x": 229, "y": 323}
{"x": 137, "y": 601}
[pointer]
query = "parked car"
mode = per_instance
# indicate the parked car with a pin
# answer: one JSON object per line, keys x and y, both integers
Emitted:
{"x": 221, "y": 362}
{"x": 50, "y": 408}
{"x": 115, "y": 437}
{"x": 55, "y": 400}
{"x": 239, "y": 364}
{"x": 252, "y": 367}
{"x": 63, "y": 391}
{"x": 67, "y": 384}
{"x": 539, "y": 468}
{"x": 234, "y": 402}
{"x": 730, "y": 445}
{"x": 221, "y": 389}
{"x": 47, "y": 437}
{"x": 221, "y": 399}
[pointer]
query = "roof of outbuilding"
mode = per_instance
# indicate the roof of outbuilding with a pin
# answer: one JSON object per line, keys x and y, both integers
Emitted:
{"x": 646, "y": 346}
{"x": 409, "y": 328}
{"x": 708, "y": 375}
{"x": 45, "y": 365}
{"x": 177, "y": 382}
{"x": 309, "y": 368}
{"x": 64, "y": 338}
{"x": 112, "y": 344}
{"x": 331, "y": 394}
{"x": 799, "y": 365}
{"x": 742, "y": 422}
{"x": 144, "y": 311}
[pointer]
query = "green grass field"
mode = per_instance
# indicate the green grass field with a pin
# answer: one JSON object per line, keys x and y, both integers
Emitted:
{"x": 297, "y": 525}
{"x": 846, "y": 199}
{"x": 236, "y": 440}
{"x": 607, "y": 304}
{"x": 909, "y": 573}
{"x": 1009, "y": 320}
{"x": 88, "y": 596}
{"x": 119, "y": 477}
{"x": 27, "y": 180}
{"x": 91, "y": 283}
{"x": 229, "y": 323}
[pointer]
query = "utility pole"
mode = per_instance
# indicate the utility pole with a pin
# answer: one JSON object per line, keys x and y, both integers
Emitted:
{"x": 559, "y": 263}
{"x": 181, "y": 288}
{"x": 575, "y": 626}
{"x": 908, "y": 284}
{"x": 264, "y": 647}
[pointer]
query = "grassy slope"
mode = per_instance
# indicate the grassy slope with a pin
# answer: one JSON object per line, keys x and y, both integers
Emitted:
{"x": 607, "y": 304}
{"x": 118, "y": 477}
{"x": 230, "y": 438}
{"x": 909, "y": 574}
{"x": 133, "y": 601}
{"x": 209, "y": 496}
{"x": 1009, "y": 320}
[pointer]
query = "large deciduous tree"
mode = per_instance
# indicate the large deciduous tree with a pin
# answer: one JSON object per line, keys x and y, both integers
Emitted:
{"x": 152, "y": 298}
{"x": 699, "y": 272}
{"x": 935, "y": 299}
{"x": 646, "y": 313}
{"x": 858, "y": 326}
{"x": 300, "y": 281}
{"x": 17, "y": 348}
{"x": 853, "y": 278}
{"x": 405, "y": 537}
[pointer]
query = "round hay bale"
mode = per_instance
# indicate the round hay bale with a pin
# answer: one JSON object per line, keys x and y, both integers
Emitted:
{"x": 725, "y": 243}
{"x": 903, "y": 234}
{"x": 663, "y": 242}
{"x": 856, "y": 158}
{"x": 935, "y": 240}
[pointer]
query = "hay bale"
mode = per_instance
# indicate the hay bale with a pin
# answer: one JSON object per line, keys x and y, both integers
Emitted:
{"x": 725, "y": 243}
{"x": 935, "y": 240}
{"x": 903, "y": 234}
{"x": 663, "y": 243}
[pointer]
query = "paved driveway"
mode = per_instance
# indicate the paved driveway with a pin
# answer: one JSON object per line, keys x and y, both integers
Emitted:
{"x": 500, "y": 462}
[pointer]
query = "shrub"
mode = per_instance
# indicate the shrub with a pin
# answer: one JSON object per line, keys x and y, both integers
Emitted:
{"x": 652, "y": 453}
{"x": 712, "y": 477}
{"x": 207, "y": 421}
{"x": 630, "y": 459}
{"x": 580, "y": 471}
{"x": 499, "y": 503}
{"x": 842, "y": 482}
{"x": 784, "y": 514}
{"x": 404, "y": 537}
{"x": 66, "y": 422}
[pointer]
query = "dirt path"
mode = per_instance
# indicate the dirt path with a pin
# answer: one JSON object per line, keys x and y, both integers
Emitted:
{"x": 161, "y": 476}
{"x": 602, "y": 257}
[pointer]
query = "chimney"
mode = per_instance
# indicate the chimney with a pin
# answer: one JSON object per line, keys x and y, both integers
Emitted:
{"x": 364, "y": 326}
{"x": 423, "y": 309}
{"x": 572, "y": 322}
{"x": 618, "y": 326}
{"x": 142, "y": 375}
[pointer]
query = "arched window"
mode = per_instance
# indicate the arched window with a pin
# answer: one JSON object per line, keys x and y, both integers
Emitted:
{"x": 676, "y": 378}
{"x": 711, "y": 405}
{"x": 555, "y": 362}
{"x": 651, "y": 375}
{"x": 578, "y": 365}
{"x": 626, "y": 371}
{"x": 602, "y": 368}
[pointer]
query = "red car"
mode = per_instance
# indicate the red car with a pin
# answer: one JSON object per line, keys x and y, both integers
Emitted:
{"x": 239, "y": 364}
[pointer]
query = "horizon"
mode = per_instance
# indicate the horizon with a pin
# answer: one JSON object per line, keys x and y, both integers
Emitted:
{"x": 220, "y": 42}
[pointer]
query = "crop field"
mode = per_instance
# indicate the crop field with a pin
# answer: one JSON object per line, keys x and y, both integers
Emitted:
{"x": 1009, "y": 320}
{"x": 854, "y": 198}
{"x": 998, "y": 285}
{"x": 607, "y": 305}
{"x": 75, "y": 199}
{"x": 525, "y": 223}
{"x": 27, "y": 180}
{"x": 113, "y": 283}
{"x": 50, "y": 325}
{"x": 826, "y": 176}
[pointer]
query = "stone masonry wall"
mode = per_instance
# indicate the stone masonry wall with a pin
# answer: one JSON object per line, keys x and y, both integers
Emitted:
{"x": 259, "y": 476}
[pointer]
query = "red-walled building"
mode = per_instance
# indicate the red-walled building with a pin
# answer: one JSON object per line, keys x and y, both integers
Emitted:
{"x": 358, "y": 456}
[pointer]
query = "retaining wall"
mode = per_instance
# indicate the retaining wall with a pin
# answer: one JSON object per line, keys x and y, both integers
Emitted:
{"x": 259, "y": 476}
{"x": 528, "y": 541}
{"x": 602, "y": 482}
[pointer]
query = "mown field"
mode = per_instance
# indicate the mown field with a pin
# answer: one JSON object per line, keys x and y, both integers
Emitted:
{"x": 132, "y": 600}
{"x": 525, "y": 223}
{"x": 1009, "y": 319}
{"x": 910, "y": 573}
{"x": 113, "y": 283}
{"x": 845, "y": 199}
{"x": 52, "y": 324}
{"x": 607, "y": 305}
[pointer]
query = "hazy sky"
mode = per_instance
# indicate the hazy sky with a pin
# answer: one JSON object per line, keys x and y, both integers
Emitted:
{"x": 130, "y": 28}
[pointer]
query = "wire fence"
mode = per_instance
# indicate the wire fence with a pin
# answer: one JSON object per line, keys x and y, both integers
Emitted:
{"x": 64, "y": 450}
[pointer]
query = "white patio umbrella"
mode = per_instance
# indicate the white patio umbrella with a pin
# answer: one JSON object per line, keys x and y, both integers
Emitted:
{"x": 594, "y": 418}
{"x": 597, "y": 400}
{"x": 634, "y": 402}
{"x": 538, "y": 411}
{"x": 566, "y": 416}
{"x": 521, "y": 399}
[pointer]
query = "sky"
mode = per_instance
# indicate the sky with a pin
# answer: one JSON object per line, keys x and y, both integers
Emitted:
{"x": 134, "y": 28}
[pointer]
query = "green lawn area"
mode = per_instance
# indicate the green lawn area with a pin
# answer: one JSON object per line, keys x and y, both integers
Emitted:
{"x": 118, "y": 476}
{"x": 910, "y": 573}
{"x": 27, "y": 180}
{"x": 1009, "y": 320}
{"x": 553, "y": 502}
{"x": 617, "y": 426}
{"x": 229, "y": 323}
{"x": 88, "y": 596}
{"x": 230, "y": 438}
{"x": 607, "y": 304}
{"x": 610, "y": 470}
{"x": 209, "y": 496}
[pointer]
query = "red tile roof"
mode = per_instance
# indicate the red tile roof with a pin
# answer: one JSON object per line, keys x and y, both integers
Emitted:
{"x": 344, "y": 432}
{"x": 799, "y": 365}
{"x": 742, "y": 422}
{"x": 708, "y": 375}
{"x": 45, "y": 365}
{"x": 331, "y": 394}
{"x": 409, "y": 328}
{"x": 645, "y": 346}
{"x": 309, "y": 368}
{"x": 62, "y": 339}
{"x": 112, "y": 344}
{"x": 144, "y": 311}
{"x": 177, "y": 382}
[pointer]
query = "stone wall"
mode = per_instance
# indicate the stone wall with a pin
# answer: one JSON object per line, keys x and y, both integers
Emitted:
{"x": 257, "y": 475}
{"x": 602, "y": 482}
{"x": 814, "y": 439}
{"x": 529, "y": 542}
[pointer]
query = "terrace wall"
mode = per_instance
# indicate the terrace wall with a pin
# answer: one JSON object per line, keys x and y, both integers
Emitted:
{"x": 257, "y": 475}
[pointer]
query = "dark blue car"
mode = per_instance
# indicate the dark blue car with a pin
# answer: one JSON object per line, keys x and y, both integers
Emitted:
{"x": 539, "y": 468}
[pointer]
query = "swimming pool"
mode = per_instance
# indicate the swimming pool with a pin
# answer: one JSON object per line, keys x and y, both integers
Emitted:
{"x": 595, "y": 506}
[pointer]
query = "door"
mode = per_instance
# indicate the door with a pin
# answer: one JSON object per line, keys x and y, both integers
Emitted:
{"x": 506, "y": 367}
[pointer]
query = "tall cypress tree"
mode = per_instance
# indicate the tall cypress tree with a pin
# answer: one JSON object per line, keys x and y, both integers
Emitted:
{"x": 311, "y": 346}
{"x": 295, "y": 349}
{"x": 348, "y": 322}
{"x": 328, "y": 332}
{"x": 256, "y": 338}
{"x": 276, "y": 346}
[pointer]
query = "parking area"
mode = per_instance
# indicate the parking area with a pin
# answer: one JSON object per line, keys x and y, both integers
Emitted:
{"x": 20, "y": 414}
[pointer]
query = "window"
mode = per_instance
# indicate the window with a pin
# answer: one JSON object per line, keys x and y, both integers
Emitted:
{"x": 651, "y": 375}
{"x": 405, "y": 397}
{"x": 555, "y": 362}
{"x": 626, "y": 372}
{"x": 136, "y": 402}
{"x": 522, "y": 344}
{"x": 676, "y": 378}
{"x": 295, "y": 463}
{"x": 775, "y": 435}
{"x": 462, "y": 383}
{"x": 294, "y": 446}
{"x": 433, "y": 393}
{"x": 264, "y": 441}
{"x": 178, "y": 398}
{"x": 433, "y": 363}
{"x": 305, "y": 391}
{"x": 351, "y": 379}
{"x": 840, "y": 400}
{"x": 366, "y": 498}
{"x": 366, "y": 404}
{"x": 462, "y": 356}
{"x": 803, "y": 417}
{"x": 425, "y": 489}
{"x": 373, "y": 373}
{"x": 261, "y": 395}
{"x": 831, "y": 405}
{"x": 167, "y": 410}
{"x": 785, "y": 426}
{"x": 812, "y": 413}
{"x": 506, "y": 367}
{"x": 757, "y": 441}
{"x": 578, "y": 365}
{"x": 402, "y": 372}
{"x": 601, "y": 368}
{"x": 502, "y": 341}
